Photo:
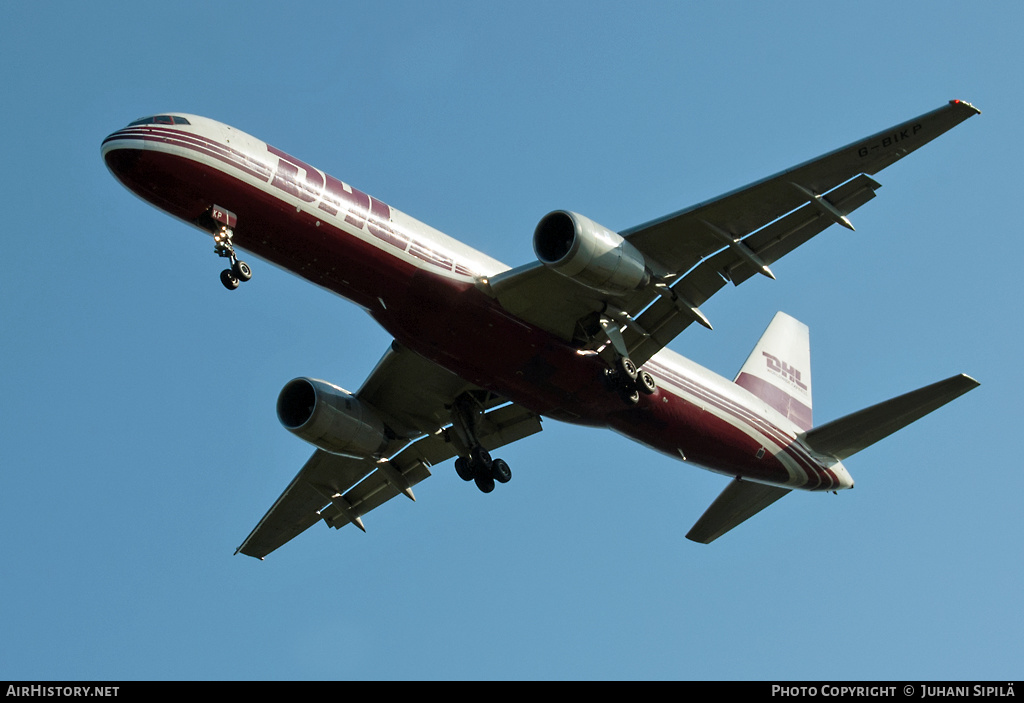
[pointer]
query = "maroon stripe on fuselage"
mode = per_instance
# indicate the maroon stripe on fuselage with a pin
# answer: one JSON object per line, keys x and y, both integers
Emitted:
{"x": 196, "y": 142}
{"x": 227, "y": 157}
{"x": 441, "y": 317}
{"x": 376, "y": 226}
{"x": 681, "y": 427}
{"x": 448, "y": 320}
{"x": 741, "y": 413}
{"x": 824, "y": 477}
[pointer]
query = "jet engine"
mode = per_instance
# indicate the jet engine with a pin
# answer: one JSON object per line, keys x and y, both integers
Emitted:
{"x": 588, "y": 253}
{"x": 330, "y": 418}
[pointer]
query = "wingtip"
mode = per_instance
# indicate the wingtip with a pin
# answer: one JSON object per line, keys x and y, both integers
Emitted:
{"x": 965, "y": 104}
{"x": 974, "y": 383}
{"x": 248, "y": 555}
{"x": 699, "y": 538}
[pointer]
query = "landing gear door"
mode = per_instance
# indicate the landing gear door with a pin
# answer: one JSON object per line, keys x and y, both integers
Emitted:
{"x": 223, "y": 216}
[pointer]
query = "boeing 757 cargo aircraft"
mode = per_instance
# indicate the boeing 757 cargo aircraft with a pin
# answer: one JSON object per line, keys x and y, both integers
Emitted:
{"x": 482, "y": 351}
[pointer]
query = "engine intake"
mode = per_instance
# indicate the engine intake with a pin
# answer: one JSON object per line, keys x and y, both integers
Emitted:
{"x": 330, "y": 418}
{"x": 590, "y": 254}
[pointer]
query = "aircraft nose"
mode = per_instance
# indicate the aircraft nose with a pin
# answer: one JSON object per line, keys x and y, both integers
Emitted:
{"x": 119, "y": 155}
{"x": 115, "y": 140}
{"x": 110, "y": 143}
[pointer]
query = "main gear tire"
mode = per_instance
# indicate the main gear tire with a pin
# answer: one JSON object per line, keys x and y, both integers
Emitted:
{"x": 500, "y": 471}
{"x": 241, "y": 271}
{"x": 229, "y": 279}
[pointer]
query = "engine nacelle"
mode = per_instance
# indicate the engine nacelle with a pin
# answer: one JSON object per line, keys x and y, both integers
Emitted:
{"x": 588, "y": 253}
{"x": 330, "y": 418}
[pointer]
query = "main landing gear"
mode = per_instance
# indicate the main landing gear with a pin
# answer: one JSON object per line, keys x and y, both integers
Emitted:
{"x": 482, "y": 469}
{"x": 475, "y": 462}
{"x": 629, "y": 381}
{"x": 224, "y": 221}
{"x": 624, "y": 376}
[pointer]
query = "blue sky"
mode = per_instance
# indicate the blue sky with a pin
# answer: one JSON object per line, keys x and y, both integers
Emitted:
{"x": 138, "y": 440}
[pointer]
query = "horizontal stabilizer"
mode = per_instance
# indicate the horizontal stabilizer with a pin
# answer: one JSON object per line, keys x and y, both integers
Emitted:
{"x": 739, "y": 501}
{"x": 850, "y": 434}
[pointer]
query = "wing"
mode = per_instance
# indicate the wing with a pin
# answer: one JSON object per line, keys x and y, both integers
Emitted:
{"x": 696, "y": 251}
{"x": 412, "y": 396}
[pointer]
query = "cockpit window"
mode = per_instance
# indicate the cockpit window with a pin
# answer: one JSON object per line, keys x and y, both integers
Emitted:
{"x": 160, "y": 119}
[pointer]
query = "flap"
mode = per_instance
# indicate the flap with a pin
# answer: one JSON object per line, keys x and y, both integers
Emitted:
{"x": 673, "y": 313}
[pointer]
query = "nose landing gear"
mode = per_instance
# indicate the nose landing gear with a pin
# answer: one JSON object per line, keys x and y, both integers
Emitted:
{"x": 225, "y": 221}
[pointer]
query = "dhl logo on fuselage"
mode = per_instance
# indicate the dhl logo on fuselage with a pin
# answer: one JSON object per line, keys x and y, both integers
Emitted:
{"x": 299, "y": 179}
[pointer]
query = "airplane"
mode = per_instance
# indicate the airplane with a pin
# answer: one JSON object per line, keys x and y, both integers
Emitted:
{"x": 481, "y": 351}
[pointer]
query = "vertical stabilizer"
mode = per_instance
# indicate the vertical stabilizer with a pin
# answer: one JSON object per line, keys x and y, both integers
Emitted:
{"x": 778, "y": 371}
